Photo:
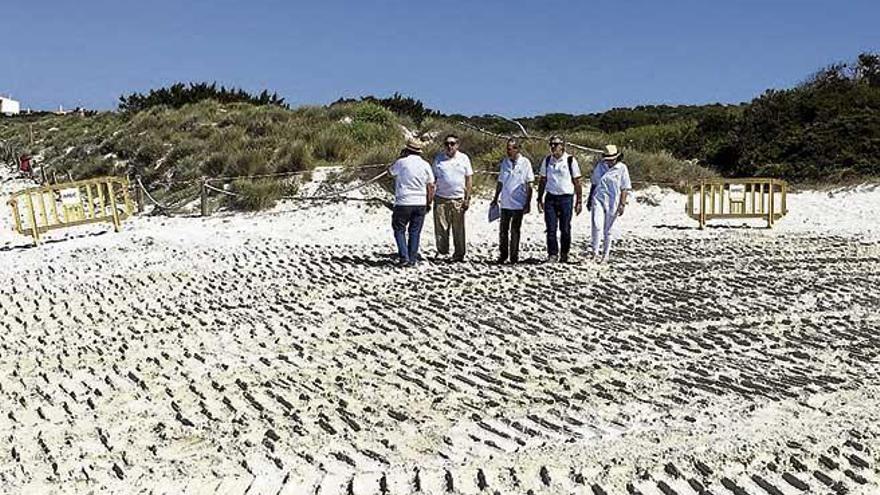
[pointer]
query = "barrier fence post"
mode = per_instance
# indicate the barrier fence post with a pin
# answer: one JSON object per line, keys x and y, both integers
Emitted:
{"x": 33, "y": 218}
{"x": 115, "y": 217}
{"x": 702, "y": 205}
{"x": 205, "y": 209}
{"x": 139, "y": 194}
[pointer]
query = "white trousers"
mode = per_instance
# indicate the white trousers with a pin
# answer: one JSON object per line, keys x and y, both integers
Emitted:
{"x": 603, "y": 219}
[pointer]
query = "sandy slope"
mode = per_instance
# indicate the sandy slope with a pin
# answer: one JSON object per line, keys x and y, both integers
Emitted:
{"x": 281, "y": 353}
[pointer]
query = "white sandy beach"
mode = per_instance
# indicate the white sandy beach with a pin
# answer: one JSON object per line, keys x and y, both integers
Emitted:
{"x": 280, "y": 352}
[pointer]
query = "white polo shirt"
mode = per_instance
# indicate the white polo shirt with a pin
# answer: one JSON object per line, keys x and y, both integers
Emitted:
{"x": 451, "y": 174}
{"x": 558, "y": 175}
{"x": 411, "y": 175}
{"x": 515, "y": 178}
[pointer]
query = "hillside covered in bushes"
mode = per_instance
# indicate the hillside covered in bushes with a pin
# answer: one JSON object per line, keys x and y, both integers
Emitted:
{"x": 171, "y": 146}
{"x": 826, "y": 129}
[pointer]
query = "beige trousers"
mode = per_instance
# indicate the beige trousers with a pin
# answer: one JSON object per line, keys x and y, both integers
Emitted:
{"x": 449, "y": 215}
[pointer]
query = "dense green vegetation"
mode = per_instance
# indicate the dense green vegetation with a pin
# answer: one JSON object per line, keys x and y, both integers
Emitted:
{"x": 825, "y": 129}
{"x": 178, "y": 95}
{"x": 403, "y": 106}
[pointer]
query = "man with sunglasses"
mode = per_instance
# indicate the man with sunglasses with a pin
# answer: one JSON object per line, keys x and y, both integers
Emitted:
{"x": 559, "y": 177}
{"x": 454, "y": 176}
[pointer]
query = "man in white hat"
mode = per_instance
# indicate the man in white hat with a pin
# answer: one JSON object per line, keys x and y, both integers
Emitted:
{"x": 610, "y": 186}
{"x": 413, "y": 194}
{"x": 454, "y": 174}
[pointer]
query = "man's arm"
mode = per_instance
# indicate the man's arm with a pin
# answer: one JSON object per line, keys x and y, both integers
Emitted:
{"x": 578, "y": 196}
{"x": 430, "y": 191}
{"x": 528, "y": 206}
{"x": 623, "y": 197}
{"x": 498, "y": 187}
{"x": 542, "y": 182}
{"x": 468, "y": 186}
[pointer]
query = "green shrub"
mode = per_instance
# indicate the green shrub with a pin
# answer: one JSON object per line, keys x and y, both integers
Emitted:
{"x": 370, "y": 112}
{"x": 247, "y": 162}
{"x": 333, "y": 146}
{"x": 255, "y": 195}
{"x": 293, "y": 157}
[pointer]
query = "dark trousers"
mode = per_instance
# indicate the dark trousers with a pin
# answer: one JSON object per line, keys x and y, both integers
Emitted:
{"x": 557, "y": 216}
{"x": 408, "y": 220}
{"x": 508, "y": 242}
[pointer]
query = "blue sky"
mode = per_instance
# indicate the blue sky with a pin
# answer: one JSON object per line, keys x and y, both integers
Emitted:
{"x": 510, "y": 57}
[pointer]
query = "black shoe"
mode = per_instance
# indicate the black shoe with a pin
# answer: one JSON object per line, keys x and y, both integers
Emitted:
{"x": 563, "y": 258}
{"x": 500, "y": 261}
{"x": 552, "y": 258}
{"x": 457, "y": 259}
{"x": 514, "y": 261}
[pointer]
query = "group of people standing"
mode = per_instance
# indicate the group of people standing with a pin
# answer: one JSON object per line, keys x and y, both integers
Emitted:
{"x": 447, "y": 185}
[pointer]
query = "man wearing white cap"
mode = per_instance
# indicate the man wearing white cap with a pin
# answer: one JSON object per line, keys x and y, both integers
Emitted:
{"x": 610, "y": 186}
{"x": 413, "y": 194}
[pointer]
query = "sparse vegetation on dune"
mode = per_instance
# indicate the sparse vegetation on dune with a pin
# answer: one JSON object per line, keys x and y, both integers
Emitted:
{"x": 172, "y": 148}
{"x": 826, "y": 129}
{"x": 168, "y": 147}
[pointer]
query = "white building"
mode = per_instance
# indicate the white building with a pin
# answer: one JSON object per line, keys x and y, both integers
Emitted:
{"x": 9, "y": 106}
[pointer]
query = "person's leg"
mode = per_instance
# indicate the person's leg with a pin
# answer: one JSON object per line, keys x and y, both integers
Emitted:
{"x": 399, "y": 219}
{"x": 441, "y": 226}
{"x": 566, "y": 205}
{"x": 503, "y": 234}
{"x": 597, "y": 218}
{"x": 516, "y": 223}
{"x": 458, "y": 231}
{"x": 610, "y": 216}
{"x": 551, "y": 221}
{"x": 416, "y": 220}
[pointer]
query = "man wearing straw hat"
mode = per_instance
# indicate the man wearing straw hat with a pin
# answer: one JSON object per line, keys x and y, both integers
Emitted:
{"x": 413, "y": 194}
{"x": 610, "y": 186}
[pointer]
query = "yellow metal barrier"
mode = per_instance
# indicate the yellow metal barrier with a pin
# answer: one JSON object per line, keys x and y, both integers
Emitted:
{"x": 737, "y": 198}
{"x": 41, "y": 209}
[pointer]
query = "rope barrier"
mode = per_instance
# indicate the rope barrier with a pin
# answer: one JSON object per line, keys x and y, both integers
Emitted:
{"x": 222, "y": 191}
{"x": 299, "y": 172}
{"x": 337, "y": 196}
{"x": 155, "y": 202}
{"x": 528, "y": 137}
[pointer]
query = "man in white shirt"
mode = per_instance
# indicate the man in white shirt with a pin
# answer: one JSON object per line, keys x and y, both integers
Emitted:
{"x": 560, "y": 178}
{"x": 514, "y": 188}
{"x": 413, "y": 193}
{"x": 610, "y": 186}
{"x": 454, "y": 176}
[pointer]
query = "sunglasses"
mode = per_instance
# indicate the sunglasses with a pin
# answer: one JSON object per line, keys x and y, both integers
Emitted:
{"x": 557, "y": 144}
{"x": 451, "y": 143}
